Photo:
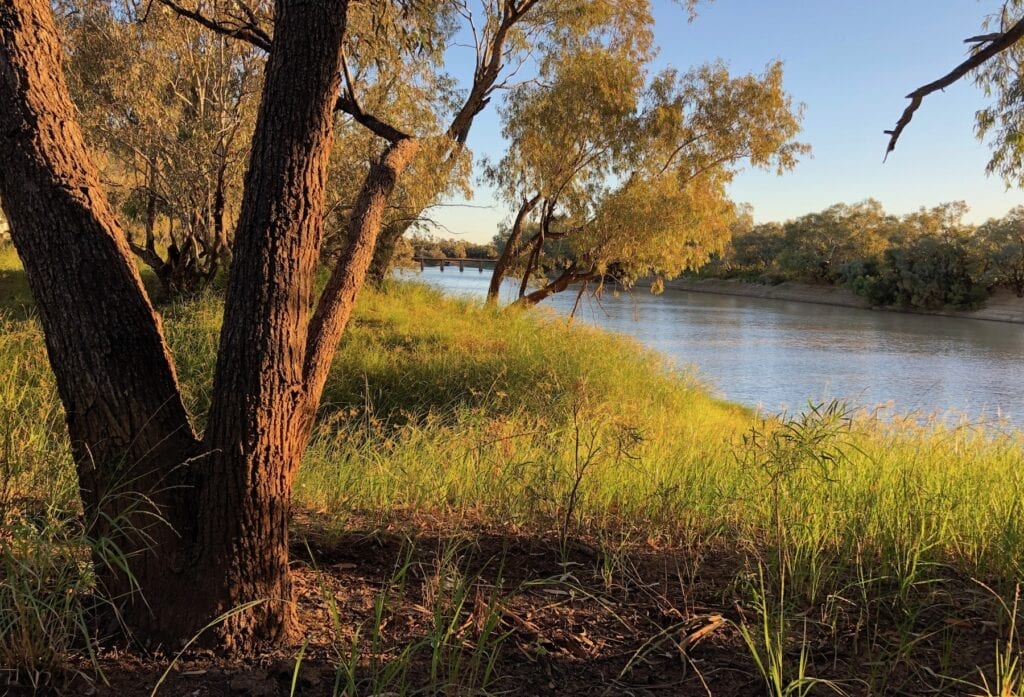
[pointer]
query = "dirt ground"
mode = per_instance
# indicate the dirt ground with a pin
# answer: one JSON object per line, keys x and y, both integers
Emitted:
{"x": 573, "y": 622}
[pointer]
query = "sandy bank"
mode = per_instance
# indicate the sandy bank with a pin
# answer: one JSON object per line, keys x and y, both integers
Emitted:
{"x": 1004, "y": 306}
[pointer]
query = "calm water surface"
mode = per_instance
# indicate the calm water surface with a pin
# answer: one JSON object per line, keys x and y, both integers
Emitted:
{"x": 778, "y": 355}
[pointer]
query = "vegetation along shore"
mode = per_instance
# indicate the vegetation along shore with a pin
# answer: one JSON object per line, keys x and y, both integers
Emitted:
{"x": 497, "y": 501}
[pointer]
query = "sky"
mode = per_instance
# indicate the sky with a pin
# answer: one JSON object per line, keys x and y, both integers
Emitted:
{"x": 850, "y": 62}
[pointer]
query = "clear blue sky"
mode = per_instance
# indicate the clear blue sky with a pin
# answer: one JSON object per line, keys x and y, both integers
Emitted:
{"x": 850, "y": 62}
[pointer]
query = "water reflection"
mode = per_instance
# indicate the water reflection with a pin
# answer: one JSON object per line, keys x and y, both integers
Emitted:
{"x": 777, "y": 354}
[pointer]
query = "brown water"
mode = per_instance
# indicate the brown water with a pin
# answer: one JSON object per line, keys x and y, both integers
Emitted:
{"x": 779, "y": 355}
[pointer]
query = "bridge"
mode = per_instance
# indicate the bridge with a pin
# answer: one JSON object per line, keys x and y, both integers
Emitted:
{"x": 462, "y": 262}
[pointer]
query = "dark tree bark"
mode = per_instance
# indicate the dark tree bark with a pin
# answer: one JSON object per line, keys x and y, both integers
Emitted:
{"x": 512, "y": 250}
{"x": 262, "y": 409}
{"x": 129, "y": 431}
{"x": 384, "y": 252}
{"x": 224, "y": 543}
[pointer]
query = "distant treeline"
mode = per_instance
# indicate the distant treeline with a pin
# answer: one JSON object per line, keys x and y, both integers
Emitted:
{"x": 929, "y": 259}
{"x": 419, "y": 245}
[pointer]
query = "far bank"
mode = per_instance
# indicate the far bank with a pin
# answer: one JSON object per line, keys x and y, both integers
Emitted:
{"x": 1003, "y": 306}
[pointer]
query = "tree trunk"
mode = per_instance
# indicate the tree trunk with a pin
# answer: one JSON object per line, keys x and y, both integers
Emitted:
{"x": 338, "y": 299}
{"x": 486, "y": 75}
{"x": 511, "y": 251}
{"x": 262, "y": 409}
{"x": 566, "y": 279}
{"x": 130, "y": 435}
{"x": 384, "y": 252}
{"x": 224, "y": 547}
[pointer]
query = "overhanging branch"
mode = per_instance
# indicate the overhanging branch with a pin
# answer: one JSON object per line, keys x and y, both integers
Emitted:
{"x": 997, "y": 43}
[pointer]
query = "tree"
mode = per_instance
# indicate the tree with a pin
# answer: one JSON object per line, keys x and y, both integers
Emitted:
{"x": 631, "y": 174}
{"x": 504, "y": 33}
{"x": 818, "y": 246}
{"x": 1001, "y": 244}
{"x": 202, "y": 521}
{"x": 171, "y": 107}
{"x": 932, "y": 263}
{"x": 755, "y": 251}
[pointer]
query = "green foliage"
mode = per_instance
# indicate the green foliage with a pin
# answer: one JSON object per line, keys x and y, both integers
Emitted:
{"x": 927, "y": 273}
{"x": 1000, "y": 243}
{"x": 999, "y": 122}
{"x": 630, "y": 170}
{"x": 439, "y": 409}
{"x": 170, "y": 108}
{"x": 928, "y": 259}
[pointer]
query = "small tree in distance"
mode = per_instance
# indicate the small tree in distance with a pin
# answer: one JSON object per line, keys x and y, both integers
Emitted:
{"x": 631, "y": 174}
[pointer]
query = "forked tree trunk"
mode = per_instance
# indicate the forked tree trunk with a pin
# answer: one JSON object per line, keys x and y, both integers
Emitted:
{"x": 225, "y": 501}
{"x": 512, "y": 252}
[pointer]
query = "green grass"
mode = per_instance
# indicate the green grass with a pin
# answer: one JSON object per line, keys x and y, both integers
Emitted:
{"x": 444, "y": 411}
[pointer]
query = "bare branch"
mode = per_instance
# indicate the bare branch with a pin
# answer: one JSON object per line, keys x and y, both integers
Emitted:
{"x": 997, "y": 43}
{"x": 390, "y": 133}
{"x": 982, "y": 38}
{"x": 249, "y": 32}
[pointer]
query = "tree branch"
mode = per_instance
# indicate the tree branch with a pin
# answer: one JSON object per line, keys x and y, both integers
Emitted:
{"x": 490, "y": 62}
{"x": 997, "y": 43}
{"x": 377, "y": 126}
{"x": 250, "y": 32}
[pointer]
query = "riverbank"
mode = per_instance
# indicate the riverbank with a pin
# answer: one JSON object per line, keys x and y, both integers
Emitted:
{"x": 499, "y": 502}
{"x": 1003, "y": 306}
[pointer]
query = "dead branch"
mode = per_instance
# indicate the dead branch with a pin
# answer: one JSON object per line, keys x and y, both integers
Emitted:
{"x": 996, "y": 44}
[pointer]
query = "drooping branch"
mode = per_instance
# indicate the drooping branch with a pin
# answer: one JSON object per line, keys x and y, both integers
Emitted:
{"x": 997, "y": 43}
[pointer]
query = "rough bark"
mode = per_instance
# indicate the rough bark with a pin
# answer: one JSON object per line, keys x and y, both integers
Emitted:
{"x": 338, "y": 299}
{"x": 511, "y": 251}
{"x": 262, "y": 408}
{"x": 129, "y": 432}
{"x": 224, "y": 547}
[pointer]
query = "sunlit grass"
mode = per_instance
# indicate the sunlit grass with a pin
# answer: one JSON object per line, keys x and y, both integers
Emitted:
{"x": 442, "y": 412}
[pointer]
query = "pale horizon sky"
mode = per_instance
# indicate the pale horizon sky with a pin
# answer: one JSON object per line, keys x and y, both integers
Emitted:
{"x": 850, "y": 63}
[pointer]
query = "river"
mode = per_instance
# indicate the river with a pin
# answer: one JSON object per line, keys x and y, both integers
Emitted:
{"x": 778, "y": 355}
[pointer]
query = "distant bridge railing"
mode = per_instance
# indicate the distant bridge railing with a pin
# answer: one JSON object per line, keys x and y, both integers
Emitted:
{"x": 462, "y": 263}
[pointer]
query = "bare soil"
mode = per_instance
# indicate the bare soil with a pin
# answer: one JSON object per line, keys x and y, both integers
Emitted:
{"x": 664, "y": 622}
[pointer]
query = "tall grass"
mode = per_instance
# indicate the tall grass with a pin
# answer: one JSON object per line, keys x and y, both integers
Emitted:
{"x": 438, "y": 409}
